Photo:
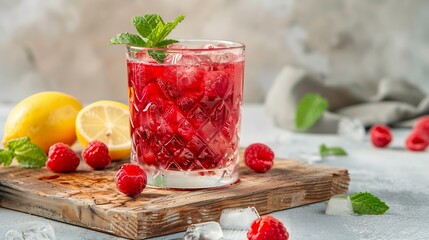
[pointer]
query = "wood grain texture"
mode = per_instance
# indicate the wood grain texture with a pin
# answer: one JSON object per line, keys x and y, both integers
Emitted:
{"x": 90, "y": 199}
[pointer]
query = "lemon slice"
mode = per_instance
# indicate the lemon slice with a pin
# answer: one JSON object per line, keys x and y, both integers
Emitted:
{"x": 108, "y": 122}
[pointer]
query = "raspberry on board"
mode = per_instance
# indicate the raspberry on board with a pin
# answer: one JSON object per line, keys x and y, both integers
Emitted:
{"x": 131, "y": 179}
{"x": 416, "y": 141}
{"x": 62, "y": 159}
{"x": 380, "y": 135}
{"x": 267, "y": 228}
{"x": 96, "y": 155}
{"x": 259, "y": 157}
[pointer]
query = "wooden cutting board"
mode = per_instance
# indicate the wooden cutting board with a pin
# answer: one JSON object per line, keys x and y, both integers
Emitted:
{"x": 90, "y": 199}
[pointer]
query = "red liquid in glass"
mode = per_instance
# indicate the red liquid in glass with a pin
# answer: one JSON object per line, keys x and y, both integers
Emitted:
{"x": 185, "y": 116}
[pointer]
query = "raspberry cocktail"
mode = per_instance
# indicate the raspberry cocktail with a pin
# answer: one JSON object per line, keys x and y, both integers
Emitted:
{"x": 185, "y": 112}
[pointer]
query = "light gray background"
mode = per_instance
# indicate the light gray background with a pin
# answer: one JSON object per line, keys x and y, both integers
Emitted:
{"x": 63, "y": 45}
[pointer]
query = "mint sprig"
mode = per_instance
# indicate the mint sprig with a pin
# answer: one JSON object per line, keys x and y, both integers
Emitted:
{"x": 152, "y": 31}
{"x": 309, "y": 110}
{"x": 128, "y": 38}
{"x": 367, "y": 204}
{"x": 331, "y": 151}
{"x": 28, "y": 154}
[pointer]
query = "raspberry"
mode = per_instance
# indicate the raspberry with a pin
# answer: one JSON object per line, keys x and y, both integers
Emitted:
{"x": 422, "y": 126}
{"x": 170, "y": 89}
{"x": 267, "y": 227}
{"x": 259, "y": 157}
{"x": 178, "y": 123}
{"x": 96, "y": 155}
{"x": 217, "y": 84}
{"x": 380, "y": 136}
{"x": 131, "y": 179}
{"x": 416, "y": 142}
{"x": 62, "y": 159}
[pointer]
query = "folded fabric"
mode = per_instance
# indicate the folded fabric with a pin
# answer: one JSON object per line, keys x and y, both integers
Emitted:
{"x": 389, "y": 101}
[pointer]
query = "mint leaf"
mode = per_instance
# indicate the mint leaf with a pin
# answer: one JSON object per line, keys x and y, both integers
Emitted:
{"x": 155, "y": 36}
{"x": 28, "y": 154}
{"x": 309, "y": 110}
{"x": 152, "y": 33}
{"x": 367, "y": 204}
{"x": 13, "y": 144}
{"x": 158, "y": 55}
{"x": 128, "y": 38}
{"x": 146, "y": 24}
{"x": 168, "y": 27}
{"x": 166, "y": 42}
{"x": 6, "y": 157}
{"x": 331, "y": 151}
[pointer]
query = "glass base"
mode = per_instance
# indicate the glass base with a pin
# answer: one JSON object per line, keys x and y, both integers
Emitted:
{"x": 162, "y": 178}
{"x": 188, "y": 180}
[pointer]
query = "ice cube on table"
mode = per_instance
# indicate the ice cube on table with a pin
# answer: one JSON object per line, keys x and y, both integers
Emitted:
{"x": 351, "y": 128}
{"x": 31, "y": 231}
{"x": 339, "y": 205}
{"x": 238, "y": 218}
{"x": 204, "y": 231}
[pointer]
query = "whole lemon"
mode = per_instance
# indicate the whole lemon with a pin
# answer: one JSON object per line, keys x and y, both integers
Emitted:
{"x": 45, "y": 117}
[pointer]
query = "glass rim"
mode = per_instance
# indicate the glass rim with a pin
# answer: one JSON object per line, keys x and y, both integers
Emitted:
{"x": 233, "y": 45}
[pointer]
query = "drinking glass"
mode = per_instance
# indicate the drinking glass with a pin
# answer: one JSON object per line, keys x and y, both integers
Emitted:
{"x": 185, "y": 112}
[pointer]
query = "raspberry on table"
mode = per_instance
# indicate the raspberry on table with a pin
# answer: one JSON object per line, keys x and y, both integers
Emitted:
{"x": 62, "y": 159}
{"x": 380, "y": 135}
{"x": 96, "y": 155}
{"x": 422, "y": 126}
{"x": 131, "y": 179}
{"x": 416, "y": 141}
{"x": 259, "y": 157}
{"x": 267, "y": 228}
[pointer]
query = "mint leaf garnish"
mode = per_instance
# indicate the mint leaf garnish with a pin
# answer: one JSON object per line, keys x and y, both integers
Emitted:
{"x": 166, "y": 42}
{"x": 152, "y": 33}
{"x": 309, "y": 110}
{"x": 146, "y": 24}
{"x": 128, "y": 38}
{"x": 367, "y": 204}
{"x": 331, "y": 151}
{"x": 158, "y": 55}
{"x": 28, "y": 154}
{"x": 162, "y": 30}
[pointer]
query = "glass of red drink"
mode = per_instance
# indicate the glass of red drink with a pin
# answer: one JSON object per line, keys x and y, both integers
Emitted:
{"x": 185, "y": 112}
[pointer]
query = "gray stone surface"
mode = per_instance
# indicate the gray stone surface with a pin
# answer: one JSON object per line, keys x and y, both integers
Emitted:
{"x": 398, "y": 177}
{"x": 63, "y": 45}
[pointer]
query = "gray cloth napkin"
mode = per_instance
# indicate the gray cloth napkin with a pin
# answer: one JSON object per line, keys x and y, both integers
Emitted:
{"x": 389, "y": 101}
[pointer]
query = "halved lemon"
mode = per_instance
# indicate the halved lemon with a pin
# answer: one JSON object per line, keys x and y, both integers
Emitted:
{"x": 108, "y": 122}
